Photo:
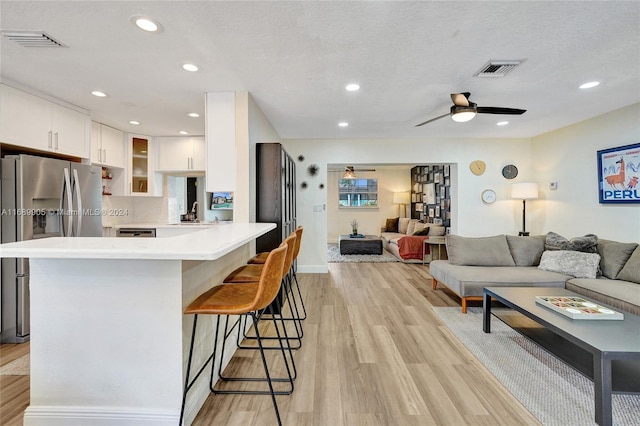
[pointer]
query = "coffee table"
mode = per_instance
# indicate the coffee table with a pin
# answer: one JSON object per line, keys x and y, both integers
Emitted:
{"x": 369, "y": 244}
{"x": 606, "y": 340}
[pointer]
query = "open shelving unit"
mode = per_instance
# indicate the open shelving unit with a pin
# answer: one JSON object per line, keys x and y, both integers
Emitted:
{"x": 431, "y": 194}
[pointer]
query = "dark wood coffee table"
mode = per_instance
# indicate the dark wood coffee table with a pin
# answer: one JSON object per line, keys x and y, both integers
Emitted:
{"x": 606, "y": 340}
{"x": 369, "y": 244}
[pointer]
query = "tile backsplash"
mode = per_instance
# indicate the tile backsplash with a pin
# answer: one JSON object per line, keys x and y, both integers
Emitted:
{"x": 124, "y": 210}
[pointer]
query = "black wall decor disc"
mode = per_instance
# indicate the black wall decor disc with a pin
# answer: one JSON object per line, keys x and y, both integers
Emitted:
{"x": 300, "y": 157}
{"x": 313, "y": 170}
{"x": 509, "y": 171}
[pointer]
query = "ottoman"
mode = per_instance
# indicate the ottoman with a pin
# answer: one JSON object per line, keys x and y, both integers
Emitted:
{"x": 369, "y": 244}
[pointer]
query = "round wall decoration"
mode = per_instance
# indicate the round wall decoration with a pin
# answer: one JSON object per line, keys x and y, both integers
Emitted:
{"x": 509, "y": 171}
{"x": 488, "y": 196}
{"x": 477, "y": 167}
{"x": 313, "y": 170}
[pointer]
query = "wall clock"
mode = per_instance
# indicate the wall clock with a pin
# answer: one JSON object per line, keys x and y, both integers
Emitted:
{"x": 477, "y": 167}
{"x": 509, "y": 171}
{"x": 488, "y": 196}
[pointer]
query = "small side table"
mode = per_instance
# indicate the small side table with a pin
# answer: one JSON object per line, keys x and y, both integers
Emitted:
{"x": 433, "y": 241}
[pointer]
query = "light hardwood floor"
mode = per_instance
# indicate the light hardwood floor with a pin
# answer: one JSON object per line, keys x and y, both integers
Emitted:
{"x": 373, "y": 353}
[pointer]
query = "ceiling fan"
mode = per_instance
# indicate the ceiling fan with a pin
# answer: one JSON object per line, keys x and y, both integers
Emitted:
{"x": 349, "y": 172}
{"x": 463, "y": 110}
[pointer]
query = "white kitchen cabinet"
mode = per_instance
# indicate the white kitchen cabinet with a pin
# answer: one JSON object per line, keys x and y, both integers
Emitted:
{"x": 179, "y": 154}
{"x": 32, "y": 122}
{"x": 107, "y": 146}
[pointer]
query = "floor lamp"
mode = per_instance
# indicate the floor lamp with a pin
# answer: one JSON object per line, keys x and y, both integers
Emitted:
{"x": 401, "y": 198}
{"x": 524, "y": 191}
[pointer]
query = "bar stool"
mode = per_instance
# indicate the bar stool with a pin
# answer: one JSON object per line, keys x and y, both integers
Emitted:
{"x": 261, "y": 257}
{"x": 249, "y": 299}
{"x": 249, "y": 273}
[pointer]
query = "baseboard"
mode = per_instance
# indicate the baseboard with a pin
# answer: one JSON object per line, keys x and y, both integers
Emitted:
{"x": 43, "y": 415}
{"x": 313, "y": 269}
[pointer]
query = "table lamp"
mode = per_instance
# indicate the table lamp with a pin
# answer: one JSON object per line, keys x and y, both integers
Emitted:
{"x": 401, "y": 198}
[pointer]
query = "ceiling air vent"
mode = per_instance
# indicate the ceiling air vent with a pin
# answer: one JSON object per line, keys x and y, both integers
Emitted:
{"x": 497, "y": 68}
{"x": 32, "y": 38}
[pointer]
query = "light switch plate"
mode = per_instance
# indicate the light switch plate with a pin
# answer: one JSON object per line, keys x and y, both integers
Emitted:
{"x": 553, "y": 186}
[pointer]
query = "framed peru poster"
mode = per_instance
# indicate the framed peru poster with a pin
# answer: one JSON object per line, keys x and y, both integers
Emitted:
{"x": 618, "y": 174}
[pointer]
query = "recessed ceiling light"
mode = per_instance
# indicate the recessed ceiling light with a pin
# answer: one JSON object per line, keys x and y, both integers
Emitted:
{"x": 147, "y": 24}
{"x": 193, "y": 115}
{"x": 190, "y": 67}
{"x": 134, "y": 122}
{"x": 99, "y": 94}
{"x": 589, "y": 85}
{"x": 352, "y": 87}
{"x": 502, "y": 123}
{"x": 183, "y": 132}
{"x": 343, "y": 124}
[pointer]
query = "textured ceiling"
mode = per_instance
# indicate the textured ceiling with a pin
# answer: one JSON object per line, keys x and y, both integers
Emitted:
{"x": 296, "y": 57}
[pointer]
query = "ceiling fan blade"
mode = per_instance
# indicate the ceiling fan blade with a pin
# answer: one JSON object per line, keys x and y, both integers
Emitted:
{"x": 460, "y": 99}
{"x": 499, "y": 110}
{"x": 433, "y": 119}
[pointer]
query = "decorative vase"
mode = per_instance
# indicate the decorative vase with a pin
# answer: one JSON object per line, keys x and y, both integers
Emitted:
{"x": 355, "y": 231}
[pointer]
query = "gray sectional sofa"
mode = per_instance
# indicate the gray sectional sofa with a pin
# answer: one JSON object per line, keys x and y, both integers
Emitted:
{"x": 604, "y": 270}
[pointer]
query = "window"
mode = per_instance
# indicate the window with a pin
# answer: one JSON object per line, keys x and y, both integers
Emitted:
{"x": 358, "y": 192}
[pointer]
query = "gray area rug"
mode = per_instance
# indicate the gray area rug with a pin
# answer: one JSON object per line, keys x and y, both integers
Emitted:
{"x": 334, "y": 256}
{"x": 551, "y": 390}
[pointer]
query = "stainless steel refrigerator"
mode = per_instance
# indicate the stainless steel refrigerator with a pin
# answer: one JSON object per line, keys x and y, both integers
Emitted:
{"x": 41, "y": 198}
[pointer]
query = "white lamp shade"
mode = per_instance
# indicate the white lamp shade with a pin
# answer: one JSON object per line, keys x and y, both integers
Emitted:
{"x": 524, "y": 190}
{"x": 401, "y": 198}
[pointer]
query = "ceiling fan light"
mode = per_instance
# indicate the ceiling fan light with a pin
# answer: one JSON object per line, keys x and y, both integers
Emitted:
{"x": 349, "y": 173}
{"x": 461, "y": 116}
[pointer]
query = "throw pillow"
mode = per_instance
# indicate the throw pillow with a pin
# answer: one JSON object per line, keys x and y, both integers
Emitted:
{"x": 586, "y": 244}
{"x": 526, "y": 251}
{"x": 423, "y": 231}
{"x": 568, "y": 262}
{"x": 403, "y": 224}
{"x": 391, "y": 225}
{"x": 420, "y": 226}
{"x": 436, "y": 230}
{"x": 613, "y": 256}
{"x": 411, "y": 227}
{"x": 484, "y": 251}
{"x": 631, "y": 270}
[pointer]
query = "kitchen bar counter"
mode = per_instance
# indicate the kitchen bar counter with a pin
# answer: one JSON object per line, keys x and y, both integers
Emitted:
{"x": 109, "y": 339}
{"x": 212, "y": 242}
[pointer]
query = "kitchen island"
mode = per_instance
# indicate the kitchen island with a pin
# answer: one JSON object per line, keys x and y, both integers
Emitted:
{"x": 109, "y": 340}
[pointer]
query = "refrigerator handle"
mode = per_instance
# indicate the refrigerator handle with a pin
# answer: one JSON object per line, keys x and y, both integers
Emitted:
{"x": 76, "y": 188}
{"x": 66, "y": 189}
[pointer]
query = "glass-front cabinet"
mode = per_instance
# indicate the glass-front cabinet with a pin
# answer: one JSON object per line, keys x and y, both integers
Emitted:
{"x": 139, "y": 165}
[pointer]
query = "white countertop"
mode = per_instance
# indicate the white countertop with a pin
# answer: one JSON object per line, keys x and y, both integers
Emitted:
{"x": 211, "y": 243}
{"x": 158, "y": 225}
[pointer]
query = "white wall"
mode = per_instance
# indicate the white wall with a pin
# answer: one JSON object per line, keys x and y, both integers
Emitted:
{"x": 568, "y": 156}
{"x": 390, "y": 180}
{"x": 472, "y": 218}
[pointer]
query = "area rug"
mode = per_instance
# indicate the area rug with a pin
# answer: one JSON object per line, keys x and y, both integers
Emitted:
{"x": 334, "y": 256}
{"x": 17, "y": 367}
{"x": 551, "y": 390}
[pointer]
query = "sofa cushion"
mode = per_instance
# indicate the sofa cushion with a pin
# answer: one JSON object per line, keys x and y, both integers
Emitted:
{"x": 466, "y": 281}
{"x": 613, "y": 256}
{"x": 411, "y": 227}
{"x": 423, "y": 230}
{"x": 620, "y": 294}
{"x": 586, "y": 244}
{"x": 436, "y": 230}
{"x": 574, "y": 263}
{"x": 391, "y": 225}
{"x": 483, "y": 251}
{"x": 631, "y": 270}
{"x": 419, "y": 227}
{"x": 526, "y": 251}
{"x": 403, "y": 224}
